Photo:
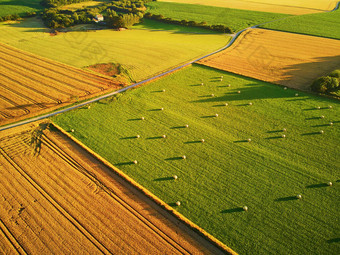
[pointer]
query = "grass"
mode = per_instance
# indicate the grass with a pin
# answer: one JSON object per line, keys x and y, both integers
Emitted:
{"x": 226, "y": 172}
{"x": 83, "y": 5}
{"x": 233, "y": 18}
{"x": 9, "y": 7}
{"x": 143, "y": 52}
{"x": 319, "y": 24}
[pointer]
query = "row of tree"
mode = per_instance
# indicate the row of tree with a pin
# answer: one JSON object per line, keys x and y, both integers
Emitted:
{"x": 17, "y": 16}
{"x": 57, "y": 3}
{"x": 219, "y": 28}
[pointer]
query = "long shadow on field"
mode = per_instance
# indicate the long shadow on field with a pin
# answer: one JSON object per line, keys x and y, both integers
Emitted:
{"x": 311, "y": 133}
{"x": 233, "y": 210}
{"x": 333, "y": 240}
{"x": 174, "y": 158}
{"x": 283, "y": 199}
{"x": 319, "y": 185}
{"x": 125, "y": 163}
{"x": 163, "y": 179}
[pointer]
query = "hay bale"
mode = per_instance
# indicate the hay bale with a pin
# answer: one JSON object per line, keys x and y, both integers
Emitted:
{"x": 250, "y": 103}
{"x": 72, "y": 130}
{"x": 330, "y": 107}
{"x": 175, "y": 177}
{"x": 163, "y": 90}
{"x": 142, "y": 118}
{"x": 212, "y": 95}
{"x": 178, "y": 203}
{"x": 296, "y": 94}
{"x": 322, "y": 117}
{"x": 184, "y": 157}
{"x": 202, "y": 140}
{"x": 318, "y": 107}
{"x": 329, "y": 183}
{"x": 331, "y": 123}
{"x": 222, "y": 77}
{"x": 249, "y": 140}
{"x": 283, "y": 136}
{"x": 321, "y": 132}
{"x": 89, "y": 107}
{"x": 239, "y": 92}
{"x": 216, "y": 115}
{"x": 284, "y": 130}
{"x": 202, "y": 84}
{"x": 285, "y": 88}
{"x": 228, "y": 85}
{"x": 299, "y": 196}
{"x": 245, "y": 208}
{"x": 135, "y": 162}
{"x": 186, "y": 125}
{"x": 164, "y": 136}
{"x": 226, "y": 104}
{"x": 137, "y": 136}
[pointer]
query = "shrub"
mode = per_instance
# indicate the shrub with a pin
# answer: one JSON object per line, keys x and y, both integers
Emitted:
{"x": 335, "y": 74}
{"x": 325, "y": 84}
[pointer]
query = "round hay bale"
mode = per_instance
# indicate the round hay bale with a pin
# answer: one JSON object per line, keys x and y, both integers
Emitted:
{"x": 212, "y": 95}
{"x": 184, "y": 157}
{"x": 228, "y": 85}
{"x": 164, "y": 136}
{"x": 202, "y": 84}
{"x": 226, "y": 104}
{"x": 249, "y": 140}
{"x": 318, "y": 107}
{"x": 216, "y": 115}
{"x": 163, "y": 90}
{"x": 239, "y": 92}
{"x": 137, "y": 136}
{"x": 175, "y": 177}
{"x": 329, "y": 183}
{"x": 322, "y": 117}
{"x": 222, "y": 77}
{"x": 245, "y": 208}
{"x": 284, "y": 130}
{"x": 250, "y": 103}
{"x": 135, "y": 162}
{"x": 330, "y": 107}
{"x": 72, "y": 130}
{"x": 142, "y": 118}
{"x": 202, "y": 140}
{"x": 186, "y": 125}
{"x": 285, "y": 88}
{"x": 296, "y": 94}
{"x": 331, "y": 123}
{"x": 299, "y": 196}
{"x": 178, "y": 203}
{"x": 283, "y": 136}
{"x": 321, "y": 132}
{"x": 89, "y": 107}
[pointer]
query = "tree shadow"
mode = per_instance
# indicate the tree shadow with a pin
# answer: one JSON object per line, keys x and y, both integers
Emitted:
{"x": 172, "y": 204}
{"x": 128, "y": 137}
{"x": 313, "y": 118}
{"x": 219, "y": 105}
{"x": 319, "y": 185}
{"x": 333, "y": 240}
{"x": 322, "y": 125}
{"x": 134, "y": 119}
{"x": 241, "y": 141}
{"x": 155, "y": 110}
{"x": 125, "y": 163}
{"x": 311, "y": 133}
{"x": 233, "y": 210}
{"x": 208, "y": 117}
{"x": 273, "y": 137}
{"x": 163, "y": 179}
{"x": 174, "y": 158}
{"x": 190, "y": 142}
{"x": 154, "y": 137}
{"x": 178, "y": 127}
{"x": 283, "y": 199}
{"x": 274, "y": 131}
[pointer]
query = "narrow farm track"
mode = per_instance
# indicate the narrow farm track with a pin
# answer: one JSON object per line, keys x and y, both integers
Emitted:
{"x": 64, "y": 201}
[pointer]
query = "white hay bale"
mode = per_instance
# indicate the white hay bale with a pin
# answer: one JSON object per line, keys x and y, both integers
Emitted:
{"x": 135, "y": 162}
{"x": 285, "y": 88}
{"x": 72, "y": 130}
{"x": 296, "y": 94}
{"x": 137, "y": 136}
{"x": 163, "y": 90}
{"x": 202, "y": 140}
{"x": 245, "y": 208}
{"x": 228, "y": 85}
{"x": 322, "y": 117}
{"x": 250, "y": 103}
{"x": 212, "y": 95}
{"x": 202, "y": 84}
{"x": 299, "y": 196}
{"x": 321, "y": 132}
{"x": 330, "y": 107}
{"x": 239, "y": 92}
{"x": 184, "y": 157}
{"x": 329, "y": 183}
{"x": 331, "y": 123}
{"x": 318, "y": 107}
{"x": 162, "y": 109}
{"x": 284, "y": 130}
{"x": 175, "y": 177}
{"x": 226, "y": 104}
{"x": 178, "y": 203}
{"x": 142, "y": 118}
{"x": 283, "y": 136}
{"x": 89, "y": 107}
{"x": 164, "y": 136}
{"x": 216, "y": 115}
{"x": 222, "y": 77}
{"x": 249, "y": 140}
{"x": 186, "y": 125}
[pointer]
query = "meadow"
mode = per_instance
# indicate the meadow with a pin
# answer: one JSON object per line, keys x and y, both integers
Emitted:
{"x": 225, "y": 172}
{"x": 319, "y": 24}
{"x": 278, "y": 6}
{"x": 233, "y": 18}
{"x": 9, "y": 7}
{"x": 143, "y": 51}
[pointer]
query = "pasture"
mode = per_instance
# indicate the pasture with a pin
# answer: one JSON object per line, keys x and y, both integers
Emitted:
{"x": 320, "y": 24}
{"x": 9, "y": 7}
{"x": 278, "y": 6}
{"x": 143, "y": 52}
{"x": 32, "y": 85}
{"x": 143, "y": 132}
{"x": 233, "y": 18}
{"x": 288, "y": 59}
{"x": 74, "y": 204}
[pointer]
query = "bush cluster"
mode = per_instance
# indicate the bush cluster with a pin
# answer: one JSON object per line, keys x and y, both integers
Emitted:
{"x": 327, "y": 84}
{"x": 219, "y": 28}
{"x": 17, "y": 16}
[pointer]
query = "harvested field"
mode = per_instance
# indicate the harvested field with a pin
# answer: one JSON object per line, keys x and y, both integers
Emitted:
{"x": 65, "y": 201}
{"x": 282, "y": 58}
{"x": 279, "y": 6}
{"x": 32, "y": 85}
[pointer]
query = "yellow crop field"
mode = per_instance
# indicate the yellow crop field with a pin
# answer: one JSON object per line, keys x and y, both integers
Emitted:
{"x": 288, "y": 59}
{"x": 31, "y": 85}
{"x": 65, "y": 201}
{"x": 294, "y": 7}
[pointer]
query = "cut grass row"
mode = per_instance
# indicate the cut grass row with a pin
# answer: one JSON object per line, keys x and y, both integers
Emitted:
{"x": 319, "y": 24}
{"x": 233, "y": 18}
{"x": 142, "y": 52}
{"x": 225, "y": 172}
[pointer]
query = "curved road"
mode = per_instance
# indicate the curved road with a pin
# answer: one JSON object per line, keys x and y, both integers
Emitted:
{"x": 234, "y": 37}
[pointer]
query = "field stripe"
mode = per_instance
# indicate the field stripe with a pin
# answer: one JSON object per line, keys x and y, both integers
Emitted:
{"x": 13, "y": 241}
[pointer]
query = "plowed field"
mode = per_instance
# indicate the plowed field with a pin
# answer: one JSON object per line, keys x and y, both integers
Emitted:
{"x": 65, "y": 201}
{"x": 31, "y": 85}
{"x": 288, "y": 59}
{"x": 280, "y": 6}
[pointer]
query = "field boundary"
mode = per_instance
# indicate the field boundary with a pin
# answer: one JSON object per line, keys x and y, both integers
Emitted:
{"x": 150, "y": 195}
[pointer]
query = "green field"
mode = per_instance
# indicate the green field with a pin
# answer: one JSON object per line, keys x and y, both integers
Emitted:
{"x": 233, "y": 18}
{"x": 9, "y": 7}
{"x": 226, "y": 172}
{"x": 319, "y": 24}
{"x": 144, "y": 51}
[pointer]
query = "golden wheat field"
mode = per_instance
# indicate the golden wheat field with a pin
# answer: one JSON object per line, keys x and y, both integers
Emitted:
{"x": 295, "y": 7}
{"x": 31, "y": 85}
{"x": 65, "y": 201}
{"x": 282, "y": 58}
